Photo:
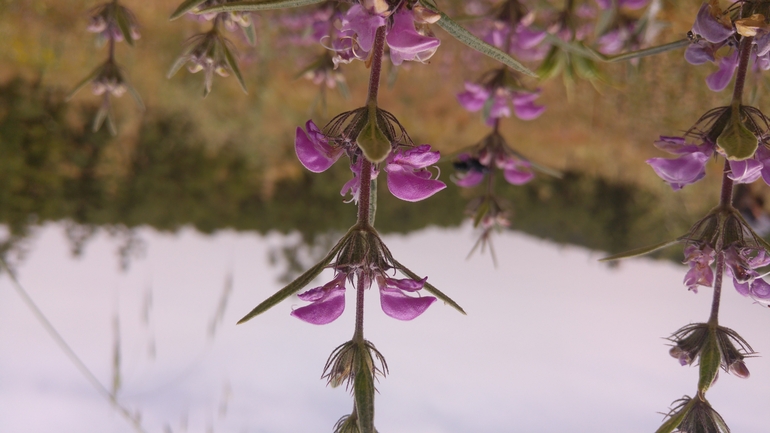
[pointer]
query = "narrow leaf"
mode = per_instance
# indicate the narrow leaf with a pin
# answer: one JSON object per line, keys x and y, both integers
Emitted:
{"x": 639, "y": 251}
{"x": 363, "y": 393}
{"x": 710, "y": 360}
{"x": 85, "y": 81}
{"x": 250, "y": 33}
{"x": 135, "y": 95}
{"x": 180, "y": 61}
{"x": 429, "y": 287}
{"x": 676, "y": 419}
{"x": 232, "y": 62}
{"x": 124, "y": 25}
{"x": 466, "y": 37}
{"x": 581, "y": 49}
{"x": 258, "y": 5}
{"x": 185, "y": 7}
{"x": 296, "y": 285}
{"x": 100, "y": 116}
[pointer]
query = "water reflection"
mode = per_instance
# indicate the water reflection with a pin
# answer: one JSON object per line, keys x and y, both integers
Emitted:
{"x": 53, "y": 171}
{"x": 593, "y": 352}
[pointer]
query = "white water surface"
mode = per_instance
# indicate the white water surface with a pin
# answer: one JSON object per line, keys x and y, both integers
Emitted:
{"x": 553, "y": 341}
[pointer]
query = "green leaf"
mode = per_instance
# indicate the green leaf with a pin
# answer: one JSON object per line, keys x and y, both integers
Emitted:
{"x": 85, "y": 81}
{"x": 551, "y": 65}
{"x": 461, "y": 34}
{"x": 124, "y": 24}
{"x": 135, "y": 95}
{"x": 233, "y": 64}
{"x": 639, "y": 251}
{"x": 185, "y": 7}
{"x": 250, "y": 33}
{"x": 296, "y": 285}
{"x": 258, "y": 5}
{"x": 580, "y": 49}
{"x": 710, "y": 360}
{"x": 737, "y": 142}
{"x": 100, "y": 116}
{"x": 373, "y": 142}
{"x": 676, "y": 419}
{"x": 429, "y": 287}
{"x": 363, "y": 393}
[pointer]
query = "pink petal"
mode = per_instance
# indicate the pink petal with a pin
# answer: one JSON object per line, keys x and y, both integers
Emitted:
{"x": 404, "y": 41}
{"x": 410, "y": 187}
{"x": 719, "y": 80}
{"x": 399, "y": 306}
{"x": 312, "y": 149}
{"x": 469, "y": 179}
{"x": 324, "y": 311}
{"x": 364, "y": 24}
{"x": 515, "y": 176}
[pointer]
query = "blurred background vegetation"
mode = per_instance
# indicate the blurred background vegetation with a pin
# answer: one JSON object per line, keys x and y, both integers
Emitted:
{"x": 228, "y": 161}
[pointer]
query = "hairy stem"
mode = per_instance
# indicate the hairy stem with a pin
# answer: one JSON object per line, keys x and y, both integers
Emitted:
{"x": 374, "y": 75}
{"x": 358, "y": 334}
{"x": 743, "y": 66}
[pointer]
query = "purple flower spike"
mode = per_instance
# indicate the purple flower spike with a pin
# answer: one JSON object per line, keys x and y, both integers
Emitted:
{"x": 364, "y": 24}
{"x": 313, "y": 149}
{"x": 398, "y": 305}
{"x": 719, "y": 80}
{"x": 746, "y": 171}
{"x": 328, "y": 302}
{"x": 408, "y": 178}
{"x": 707, "y": 25}
{"x": 404, "y": 41}
{"x": 681, "y": 171}
{"x": 524, "y": 106}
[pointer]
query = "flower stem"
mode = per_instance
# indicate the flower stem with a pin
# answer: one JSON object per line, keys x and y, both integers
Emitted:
{"x": 744, "y": 54}
{"x": 374, "y": 75}
{"x": 358, "y": 334}
{"x": 726, "y": 197}
{"x": 364, "y": 193}
{"x": 725, "y": 200}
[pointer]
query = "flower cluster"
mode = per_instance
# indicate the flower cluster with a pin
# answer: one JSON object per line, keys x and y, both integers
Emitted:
{"x": 112, "y": 21}
{"x": 496, "y": 92}
{"x": 406, "y": 165}
{"x": 691, "y": 341}
{"x": 492, "y": 151}
{"x": 408, "y": 37}
{"x": 738, "y": 134}
{"x": 714, "y": 30}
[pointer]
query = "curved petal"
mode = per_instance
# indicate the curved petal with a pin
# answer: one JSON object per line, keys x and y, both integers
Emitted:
{"x": 528, "y": 111}
{"x": 312, "y": 149}
{"x": 514, "y": 176}
{"x": 410, "y": 187}
{"x": 404, "y": 41}
{"x": 746, "y": 171}
{"x": 474, "y": 97}
{"x": 760, "y": 289}
{"x": 417, "y": 157}
{"x": 469, "y": 179}
{"x": 399, "y": 306}
{"x": 681, "y": 171}
{"x": 325, "y": 310}
{"x": 699, "y": 53}
{"x": 709, "y": 27}
{"x": 719, "y": 80}
{"x": 364, "y": 24}
{"x": 407, "y": 284}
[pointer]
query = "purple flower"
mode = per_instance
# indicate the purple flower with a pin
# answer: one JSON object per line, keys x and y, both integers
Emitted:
{"x": 408, "y": 176}
{"x": 313, "y": 149}
{"x": 699, "y": 260}
{"x": 492, "y": 152}
{"x": 404, "y": 41}
{"x": 396, "y": 304}
{"x": 700, "y": 52}
{"x": 746, "y": 171}
{"x": 685, "y": 170}
{"x": 719, "y": 80}
{"x": 709, "y": 26}
{"x": 476, "y": 96}
{"x": 630, "y": 4}
{"x": 359, "y": 27}
{"x": 328, "y": 302}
